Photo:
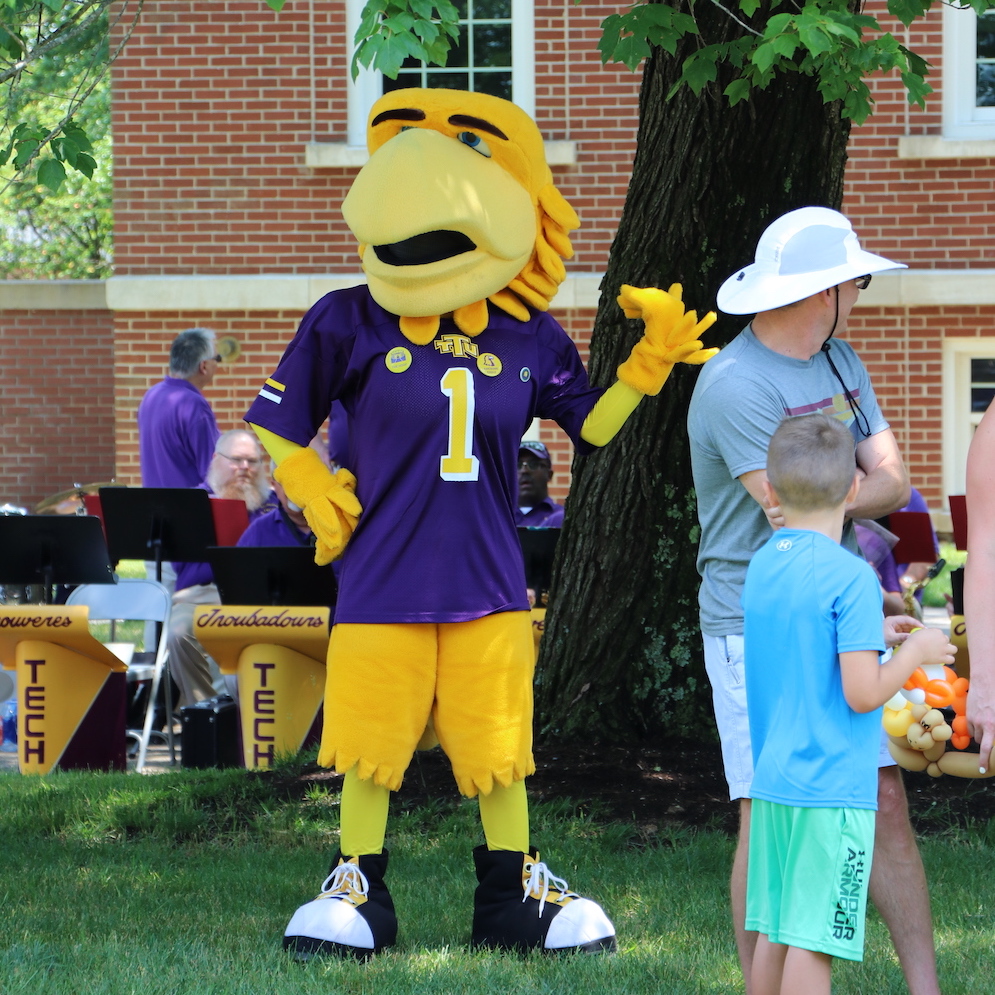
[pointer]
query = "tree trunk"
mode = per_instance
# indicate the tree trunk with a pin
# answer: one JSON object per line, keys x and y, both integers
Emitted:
{"x": 621, "y": 654}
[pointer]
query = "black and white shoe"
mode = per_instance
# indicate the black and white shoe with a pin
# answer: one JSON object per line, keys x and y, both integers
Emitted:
{"x": 520, "y": 905}
{"x": 352, "y": 917}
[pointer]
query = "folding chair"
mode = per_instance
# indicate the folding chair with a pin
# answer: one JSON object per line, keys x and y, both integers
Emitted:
{"x": 142, "y": 600}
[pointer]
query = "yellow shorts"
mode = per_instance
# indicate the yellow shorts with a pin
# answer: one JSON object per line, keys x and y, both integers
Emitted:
{"x": 471, "y": 680}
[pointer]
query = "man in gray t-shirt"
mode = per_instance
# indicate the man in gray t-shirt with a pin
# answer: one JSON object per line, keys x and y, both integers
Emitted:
{"x": 808, "y": 272}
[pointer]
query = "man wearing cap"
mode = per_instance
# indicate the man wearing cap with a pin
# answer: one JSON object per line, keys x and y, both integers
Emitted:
{"x": 807, "y": 275}
{"x": 536, "y": 509}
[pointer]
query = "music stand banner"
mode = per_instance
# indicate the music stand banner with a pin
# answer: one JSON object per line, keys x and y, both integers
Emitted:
{"x": 279, "y": 657}
{"x": 71, "y": 690}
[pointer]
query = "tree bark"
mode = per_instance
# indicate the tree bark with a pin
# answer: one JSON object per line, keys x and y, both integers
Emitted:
{"x": 621, "y": 654}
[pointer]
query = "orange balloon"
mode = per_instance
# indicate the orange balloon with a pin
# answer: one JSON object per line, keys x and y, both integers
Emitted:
{"x": 960, "y": 742}
{"x": 917, "y": 680}
{"x": 939, "y": 694}
{"x": 959, "y": 725}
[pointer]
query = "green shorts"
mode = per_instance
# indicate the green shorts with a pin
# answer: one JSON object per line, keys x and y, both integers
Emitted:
{"x": 807, "y": 879}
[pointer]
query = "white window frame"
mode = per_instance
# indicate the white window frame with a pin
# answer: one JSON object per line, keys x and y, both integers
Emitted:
{"x": 962, "y": 119}
{"x": 959, "y": 421}
{"x": 368, "y": 87}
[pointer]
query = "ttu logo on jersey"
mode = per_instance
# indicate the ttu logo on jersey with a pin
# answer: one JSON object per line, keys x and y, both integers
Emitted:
{"x": 273, "y": 390}
{"x": 457, "y": 346}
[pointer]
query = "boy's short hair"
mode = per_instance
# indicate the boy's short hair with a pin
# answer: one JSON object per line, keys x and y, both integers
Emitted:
{"x": 811, "y": 462}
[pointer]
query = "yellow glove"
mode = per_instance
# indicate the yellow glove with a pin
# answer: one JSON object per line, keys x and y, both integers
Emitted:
{"x": 328, "y": 500}
{"x": 672, "y": 336}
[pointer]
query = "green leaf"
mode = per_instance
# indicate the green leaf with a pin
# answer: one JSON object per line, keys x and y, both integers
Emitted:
{"x": 398, "y": 24}
{"x": 423, "y": 9}
{"x": 813, "y": 35}
{"x": 276, "y": 5}
{"x": 630, "y": 51}
{"x": 86, "y": 164}
{"x": 52, "y": 174}
{"x": 68, "y": 151}
{"x": 11, "y": 43}
{"x": 777, "y": 24}
{"x": 749, "y": 7}
{"x": 626, "y": 37}
{"x": 908, "y": 10}
{"x": 834, "y": 27}
{"x": 737, "y": 90}
{"x": 765, "y": 56}
{"x": 78, "y": 135}
{"x": 916, "y": 63}
{"x": 700, "y": 70}
{"x": 785, "y": 45}
{"x": 25, "y": 150}
{"x": 365, "y": 54}
{"x": 394, "y": 49}
{"x": 917, "y": 88}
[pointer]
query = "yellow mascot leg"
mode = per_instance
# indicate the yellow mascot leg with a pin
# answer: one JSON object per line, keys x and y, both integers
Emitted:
{"x": 363, "y": 824}
{"x": 504, "y": 814}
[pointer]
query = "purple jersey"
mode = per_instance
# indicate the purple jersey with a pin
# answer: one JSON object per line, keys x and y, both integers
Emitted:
{"x": 176, "y": 435}
{"x": 434, "y": 437}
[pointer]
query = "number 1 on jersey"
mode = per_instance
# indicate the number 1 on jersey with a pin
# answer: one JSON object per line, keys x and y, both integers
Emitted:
{"x": 459, "y": 463}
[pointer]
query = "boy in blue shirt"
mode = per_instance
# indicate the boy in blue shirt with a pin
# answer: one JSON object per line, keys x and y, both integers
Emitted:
{"x": 814, "y": 688}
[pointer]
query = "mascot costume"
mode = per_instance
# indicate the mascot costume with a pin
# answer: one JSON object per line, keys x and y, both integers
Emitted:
{"x": 441, "y": 362}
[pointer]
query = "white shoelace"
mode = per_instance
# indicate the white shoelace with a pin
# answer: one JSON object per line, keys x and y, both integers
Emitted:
{"x": 543, "y": 881}
{"x": 348, "y": 878}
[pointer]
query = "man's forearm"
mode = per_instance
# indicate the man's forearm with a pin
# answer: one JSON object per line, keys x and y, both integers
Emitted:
{"x": 884, "y": 490}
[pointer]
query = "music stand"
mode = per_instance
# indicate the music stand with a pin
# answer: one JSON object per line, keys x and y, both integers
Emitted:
{"x": 272, "y": 575}
{"x": 915, "y": 536}
{"x": 231, "y": 519}
{"x": 538, "y": 549}
{"x": 157, "y": 523}
{"x": 53, "y": 549}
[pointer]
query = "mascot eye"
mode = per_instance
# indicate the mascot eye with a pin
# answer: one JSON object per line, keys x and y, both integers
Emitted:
{"x": 475, "y": 142}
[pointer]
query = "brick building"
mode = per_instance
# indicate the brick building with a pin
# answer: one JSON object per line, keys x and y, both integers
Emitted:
{"x": 237, "y": 135}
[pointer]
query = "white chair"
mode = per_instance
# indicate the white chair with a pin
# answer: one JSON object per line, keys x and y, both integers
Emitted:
{"x": 143, "y": 600}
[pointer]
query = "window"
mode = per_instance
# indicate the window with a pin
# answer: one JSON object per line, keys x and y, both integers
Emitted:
{"x": 968, "y": 389}
{"x": 481, "y": 59}
{"x": 494, "y": 54}
{"x": 968, "y": 73}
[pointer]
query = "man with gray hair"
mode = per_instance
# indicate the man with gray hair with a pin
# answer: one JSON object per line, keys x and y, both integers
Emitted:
{"x": 176, "y": 426}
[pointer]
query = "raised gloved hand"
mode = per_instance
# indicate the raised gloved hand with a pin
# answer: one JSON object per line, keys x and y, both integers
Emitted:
{"x": 327, "y": 499}
{"x": 672, "y": 335}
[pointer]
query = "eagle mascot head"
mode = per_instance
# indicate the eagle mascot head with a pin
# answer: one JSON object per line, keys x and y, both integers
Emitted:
{"x": 456, "y": 207}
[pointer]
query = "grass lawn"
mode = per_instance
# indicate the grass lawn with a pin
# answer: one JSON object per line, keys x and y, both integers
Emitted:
{"x": 182, "y": 882}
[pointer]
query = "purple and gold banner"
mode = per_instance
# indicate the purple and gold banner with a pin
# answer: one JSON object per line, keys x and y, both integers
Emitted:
{"x": 279, "y": 657}
{"x": 71, "y": 689}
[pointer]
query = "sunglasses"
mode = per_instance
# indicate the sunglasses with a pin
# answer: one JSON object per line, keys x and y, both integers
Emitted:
{"x": 863, "y": 282}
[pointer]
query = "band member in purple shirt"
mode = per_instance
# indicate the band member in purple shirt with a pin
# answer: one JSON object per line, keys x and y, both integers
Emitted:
{"x": 176, "y": 426}
{"x": 536, "y": 509}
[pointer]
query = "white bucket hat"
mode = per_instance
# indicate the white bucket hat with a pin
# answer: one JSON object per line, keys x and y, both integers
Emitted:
{"x": 800, "y": 254}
